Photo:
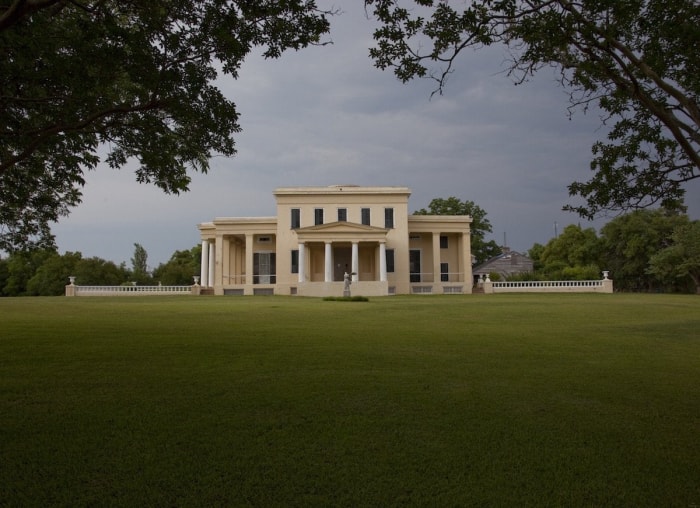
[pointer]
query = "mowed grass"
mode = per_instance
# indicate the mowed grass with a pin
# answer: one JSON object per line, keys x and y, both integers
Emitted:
{"x": 500, "y": 400}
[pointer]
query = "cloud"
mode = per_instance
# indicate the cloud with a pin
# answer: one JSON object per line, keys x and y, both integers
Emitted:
{"x": 325, "y": 115}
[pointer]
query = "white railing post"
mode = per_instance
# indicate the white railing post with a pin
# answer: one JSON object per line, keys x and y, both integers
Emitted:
{"x": 70, "y": 288}
{"x": 488, "y": 285}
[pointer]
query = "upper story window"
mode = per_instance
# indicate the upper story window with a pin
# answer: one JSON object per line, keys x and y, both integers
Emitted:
{"x": 296, "y": 218}
{"x": 365, "y": 216}
{"x": 444, "y": 244}
{"x": 342, "y": 214}
{"x": 318, "y": 216}
{"x": 389, "y": 218}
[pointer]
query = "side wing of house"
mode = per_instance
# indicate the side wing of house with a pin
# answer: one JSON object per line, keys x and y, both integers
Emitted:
{"x": 439, "y": 251}
{"x": 239, "y": 255}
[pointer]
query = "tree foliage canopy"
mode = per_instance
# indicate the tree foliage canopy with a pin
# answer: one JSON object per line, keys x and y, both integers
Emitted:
{"x": 481, "y": 249}
{"x": 134, "y": 78}
{"x": 573, "y": 255}
{"x": 139, "y": 264}
{"x": 180, "y": 268}
{"x": 681, "y": 259}
{"x": 644, "y": 250}
{"x": 628, "y": 243}
{"x": 638, "y": 60}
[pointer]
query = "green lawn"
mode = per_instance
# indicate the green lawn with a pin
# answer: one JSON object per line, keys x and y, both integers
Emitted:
{"x": 499, "y": 400}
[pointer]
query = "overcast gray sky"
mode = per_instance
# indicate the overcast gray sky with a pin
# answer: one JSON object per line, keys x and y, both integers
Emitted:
{"x": 325, "y": 116}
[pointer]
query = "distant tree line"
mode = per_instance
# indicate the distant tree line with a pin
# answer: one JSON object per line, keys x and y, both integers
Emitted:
{"x": 645, "y": 250}
{"x": 45, "y": 272}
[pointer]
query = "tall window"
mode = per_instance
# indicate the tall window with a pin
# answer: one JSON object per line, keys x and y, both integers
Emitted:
{"x": 390, "y": 260}
{"x": 318, "y": 216}
{"x": 443, "y": 242}
{"x": 296, "y": 218}
{"x": 295, "y": 261}
{"x": 414, "y": 265}
{"x": 444, "y": 272}
{"x": 365, "y": 216}
{"x": 342, "y": 214}
{"x": 264, "y": 268}
{"x": 389, "y": 218}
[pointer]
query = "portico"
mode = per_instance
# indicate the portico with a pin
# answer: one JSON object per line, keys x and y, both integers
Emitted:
{"x": 327, "y": 251}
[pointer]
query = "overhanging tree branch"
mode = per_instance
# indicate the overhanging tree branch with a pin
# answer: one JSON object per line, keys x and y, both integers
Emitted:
{"x": 41, "y": 136}
{"x": 20, "y": 9}
{"x": 637, "y": 60}
{"x": 139, "y": 76}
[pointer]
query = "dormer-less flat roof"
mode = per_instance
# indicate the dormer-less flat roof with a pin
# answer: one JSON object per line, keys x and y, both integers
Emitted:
{"x": 340, "y": 189}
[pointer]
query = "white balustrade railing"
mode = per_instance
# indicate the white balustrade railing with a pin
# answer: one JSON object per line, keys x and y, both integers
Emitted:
{"x": 131, "y": 290}
{"x": 549, "y": 284}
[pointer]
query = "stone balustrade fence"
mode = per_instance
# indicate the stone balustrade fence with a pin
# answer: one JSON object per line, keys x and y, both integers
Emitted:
{"x": 73, "y": 290}
{"x": 548, "y": 286}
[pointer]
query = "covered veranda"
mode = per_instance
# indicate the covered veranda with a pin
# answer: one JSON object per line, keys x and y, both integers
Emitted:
{"x": 328, "y": 251}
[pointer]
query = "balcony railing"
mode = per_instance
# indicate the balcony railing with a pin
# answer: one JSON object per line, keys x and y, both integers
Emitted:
{"x": 442, "y": 277}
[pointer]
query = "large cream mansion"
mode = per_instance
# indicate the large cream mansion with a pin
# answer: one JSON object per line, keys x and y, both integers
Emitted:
{"x": 322, "y": 233}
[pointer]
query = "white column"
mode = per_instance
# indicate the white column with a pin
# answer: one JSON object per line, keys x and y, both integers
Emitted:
{"x": 382, "y": 261}
{"x": 436, "y": 257}
{"x": 249, "y": 278}
{"x": 204, "y": 270}
{"x": 219, "y": 258}
{"x": 225, "y": 262}
{"x": 355, "y": 262}
{"x": 212, "y": 261}
{"x": 329, "y": 262}
{"x": 302, "y": 262}
{"x": 467, "y": 258}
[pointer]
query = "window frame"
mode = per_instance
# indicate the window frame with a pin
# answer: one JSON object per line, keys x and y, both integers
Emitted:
{"x": 318, "y": 216}
{"x": 444, "y": 272}
{"x": 389, "y": 217}
{"x": 365, "y": 216}
{"x": 272, "y": 267}
{"x": 294, "y": 268}
{"x": 390, "y": 260}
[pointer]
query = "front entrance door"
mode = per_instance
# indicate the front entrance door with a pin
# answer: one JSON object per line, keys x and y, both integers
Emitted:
{"x": 342, "y": 262}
